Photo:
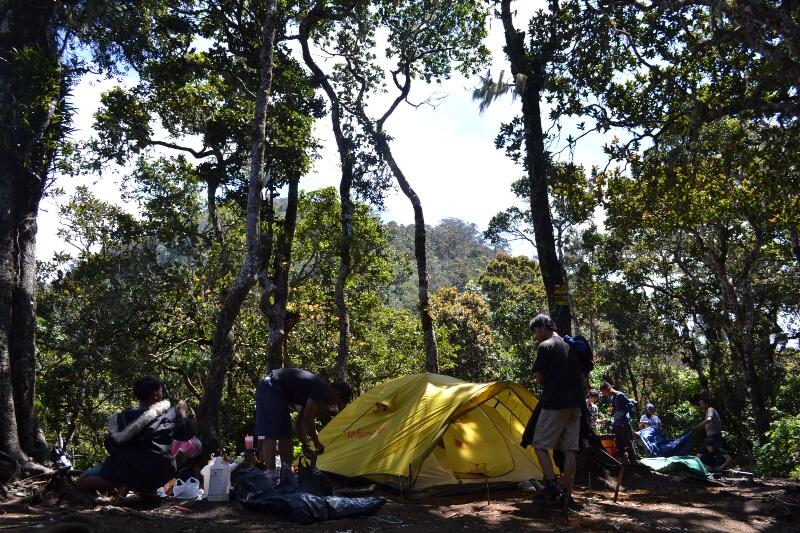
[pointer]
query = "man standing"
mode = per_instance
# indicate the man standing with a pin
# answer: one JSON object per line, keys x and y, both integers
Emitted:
{"x": 711, "y": 422}
{"x": 650, "y": 418}
{"x": 309, "y": 395}
{"x": 558, "y": 372}
{"x": 621, "y": 407}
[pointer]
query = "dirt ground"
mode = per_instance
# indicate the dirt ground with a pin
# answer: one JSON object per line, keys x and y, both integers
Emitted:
{"x": 648, "y": 502}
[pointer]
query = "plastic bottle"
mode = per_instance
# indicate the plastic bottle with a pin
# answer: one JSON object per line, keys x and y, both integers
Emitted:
{"x": 216, "y": 480}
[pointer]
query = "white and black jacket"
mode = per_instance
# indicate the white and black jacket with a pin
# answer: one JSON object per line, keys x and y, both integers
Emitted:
{"x": 139, "y": 445}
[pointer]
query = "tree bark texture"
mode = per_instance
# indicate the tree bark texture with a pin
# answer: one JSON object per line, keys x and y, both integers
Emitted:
{"x": 420, "y": 253}
{"x": 536, "y": 166}
{"x": 210, "y": 405}
{"x": 276, "y": 312}
{"x": 27, "y": 109}
{"x": 23, "y": 336}
{"x": 346, "y": 160}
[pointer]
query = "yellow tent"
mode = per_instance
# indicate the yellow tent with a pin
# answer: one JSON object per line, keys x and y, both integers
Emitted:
{"x": 429, "y": 432}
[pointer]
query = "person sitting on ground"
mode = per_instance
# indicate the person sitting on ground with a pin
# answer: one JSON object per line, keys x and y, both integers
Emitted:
{"x": 311, "y": 396}
{"x": 650, "y": 418}
{"x": 621, "y": 407}
{"x": 716, "y": 459}
{"x": 591, "y": 405}
{"x": 139, "y": 443}
{"x": 558, "y": 371}
{"x": 711, "y": 422}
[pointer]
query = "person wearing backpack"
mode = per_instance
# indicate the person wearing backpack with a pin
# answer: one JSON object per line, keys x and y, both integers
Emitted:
{"x": 621, "y": 407}
{"x": 558, "y": 427}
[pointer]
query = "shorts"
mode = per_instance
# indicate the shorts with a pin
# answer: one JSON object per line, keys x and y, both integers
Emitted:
{"x": 272, "y": 413}
{"x": 716, "y": 439}
{"x": 558, "y": 429}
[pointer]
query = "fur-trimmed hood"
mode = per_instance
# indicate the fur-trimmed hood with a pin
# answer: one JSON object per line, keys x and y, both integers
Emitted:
{"x": 133, "y": 429}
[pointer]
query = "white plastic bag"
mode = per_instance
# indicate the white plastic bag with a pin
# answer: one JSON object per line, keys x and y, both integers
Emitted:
{"x": 186, "y": 490}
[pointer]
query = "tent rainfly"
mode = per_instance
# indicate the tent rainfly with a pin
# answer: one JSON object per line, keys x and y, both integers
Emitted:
{"x": 430, "y": 433}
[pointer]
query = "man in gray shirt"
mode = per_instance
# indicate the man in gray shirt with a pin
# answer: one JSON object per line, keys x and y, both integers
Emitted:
{"x": 711, "y": 422}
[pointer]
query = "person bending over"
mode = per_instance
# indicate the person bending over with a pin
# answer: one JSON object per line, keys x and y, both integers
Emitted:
{"x": 310, "y": 395}
{"x": 621, "y": 408}
{"x": 139, "y": 443}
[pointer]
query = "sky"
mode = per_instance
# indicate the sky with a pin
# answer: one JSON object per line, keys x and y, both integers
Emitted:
{"x": 447, "y": 153}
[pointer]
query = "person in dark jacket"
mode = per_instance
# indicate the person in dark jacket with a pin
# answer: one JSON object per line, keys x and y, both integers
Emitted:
{"x": 139, "y": 443}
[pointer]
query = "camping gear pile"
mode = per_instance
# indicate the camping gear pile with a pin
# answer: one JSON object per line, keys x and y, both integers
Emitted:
{"x": 311, "y": 500}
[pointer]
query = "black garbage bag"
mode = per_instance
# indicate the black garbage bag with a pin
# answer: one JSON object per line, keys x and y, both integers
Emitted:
{"x": 253, "y": 490}
{"x": 312, "y": 480}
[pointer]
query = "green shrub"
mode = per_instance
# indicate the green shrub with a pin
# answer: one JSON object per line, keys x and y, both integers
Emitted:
{"x": 780, "y": 455}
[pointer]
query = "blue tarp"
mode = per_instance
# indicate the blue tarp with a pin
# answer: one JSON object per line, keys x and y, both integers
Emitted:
{"x": 661, "y": 446}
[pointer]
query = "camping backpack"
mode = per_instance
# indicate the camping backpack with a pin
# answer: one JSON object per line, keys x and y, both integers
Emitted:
{"x": 584, "y": 351}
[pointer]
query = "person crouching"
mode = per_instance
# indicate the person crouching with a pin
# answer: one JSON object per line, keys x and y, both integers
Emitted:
{"x": 139, "y": 443}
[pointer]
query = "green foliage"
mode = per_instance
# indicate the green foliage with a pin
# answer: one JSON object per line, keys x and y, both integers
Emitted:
{"x": 457, "y": 253}
{"x": 514, "y": 293}
{"x": 462, "y": 319}
{"x": 780, "y": 455}
{"x": 787, "y": 398}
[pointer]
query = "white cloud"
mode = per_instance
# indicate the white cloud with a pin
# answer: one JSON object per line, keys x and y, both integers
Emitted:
{"x": 447, "y": 152}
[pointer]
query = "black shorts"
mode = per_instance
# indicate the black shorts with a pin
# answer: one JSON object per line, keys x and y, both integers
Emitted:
{"x": 272, "y": 413}
{"x": 716, "y": 439}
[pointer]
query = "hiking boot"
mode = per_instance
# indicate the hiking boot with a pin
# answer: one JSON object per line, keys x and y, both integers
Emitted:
{"x": 571, "y": 503}
{"x": 550, "y": 492}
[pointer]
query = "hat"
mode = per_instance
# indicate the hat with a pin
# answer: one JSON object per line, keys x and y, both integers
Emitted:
{"x": 649, "y": 406}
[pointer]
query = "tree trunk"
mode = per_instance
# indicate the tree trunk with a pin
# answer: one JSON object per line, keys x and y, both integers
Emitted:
{"x": 24, "y": 163}
{"x": 10, "y": 448}
{"x": 345, "y": 245}
{"x": 347, "y": 164}
{"x": 420, "y": 253}
{"x": 536, "y": 163}
{"x": 276, "y": 313}
{"x": 739, "y": 303}
{"x": 210, "y": 405}
{"x": 23, "y": 335}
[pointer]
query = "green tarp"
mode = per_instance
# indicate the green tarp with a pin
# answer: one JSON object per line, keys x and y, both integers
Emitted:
{"x": 680, "y": 463}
